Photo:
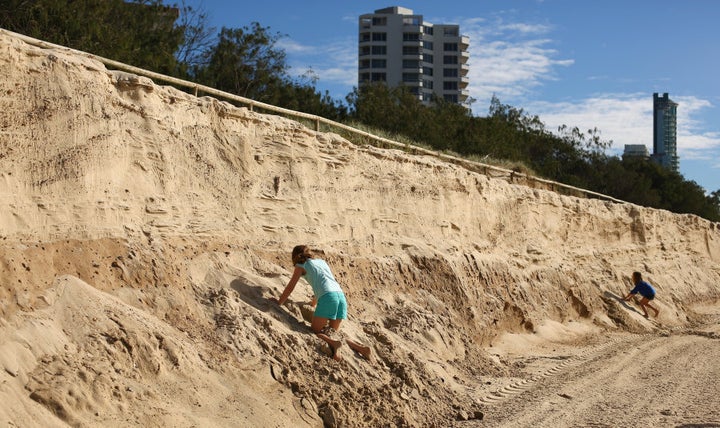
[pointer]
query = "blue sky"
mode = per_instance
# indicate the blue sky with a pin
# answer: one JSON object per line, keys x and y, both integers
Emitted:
{"x": 584, "y": 63}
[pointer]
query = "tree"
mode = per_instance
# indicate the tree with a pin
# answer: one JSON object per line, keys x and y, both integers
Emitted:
{"x": 714, "y": 199}
{"x": 138, "y": 32}
{"x": 245, "y": 62}
{"x": 198, "y": 38}
{"x": 305, "y": 98}
{"x": 373, "y": 105}
{"x": 714, "y": 203}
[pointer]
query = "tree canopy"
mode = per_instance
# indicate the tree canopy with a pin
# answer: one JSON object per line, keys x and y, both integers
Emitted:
{"x": 141, "y": 32}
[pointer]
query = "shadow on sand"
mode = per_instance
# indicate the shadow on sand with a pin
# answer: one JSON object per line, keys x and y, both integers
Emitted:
{"x": 253, "y": 296}
{"x": 625, "y": 304}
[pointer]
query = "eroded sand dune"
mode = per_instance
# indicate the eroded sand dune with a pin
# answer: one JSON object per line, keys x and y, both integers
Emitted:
{"x": 144, "y": 228}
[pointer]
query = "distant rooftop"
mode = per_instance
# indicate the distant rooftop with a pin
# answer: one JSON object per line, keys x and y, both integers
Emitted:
{"x": 397, "y": 10}
{"x": 636, "y": 150}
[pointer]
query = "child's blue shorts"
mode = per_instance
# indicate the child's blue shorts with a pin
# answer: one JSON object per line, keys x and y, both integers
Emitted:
{"x": 332, "y": 306}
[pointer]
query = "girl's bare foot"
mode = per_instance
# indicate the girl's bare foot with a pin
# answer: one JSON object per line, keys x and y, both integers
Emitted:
{"x": 334, "y": 346}
{"x": 363, "y": 350}
{"x": 336, "y": 355}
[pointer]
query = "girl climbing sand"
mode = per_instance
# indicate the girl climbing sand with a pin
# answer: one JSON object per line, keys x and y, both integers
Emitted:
{"x": 328, "y": 299}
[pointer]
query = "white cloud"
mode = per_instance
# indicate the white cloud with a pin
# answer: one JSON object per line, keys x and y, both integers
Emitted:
{"x": 291, "y": 47}
{"x": 622, "y": 118}
{"x": 524, "y": 28}
{"x": 351, "y": 18}
{"x": 627, "y": 119}
{"x": 691, "y": 136}
{"x": 691, "y": 144}
{"x": 509, "y": 59}
{"x": 334, "y": 63}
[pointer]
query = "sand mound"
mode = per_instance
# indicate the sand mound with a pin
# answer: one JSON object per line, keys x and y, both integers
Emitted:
{"x": 90, "y": 359}
{"x": 143, "y": 230}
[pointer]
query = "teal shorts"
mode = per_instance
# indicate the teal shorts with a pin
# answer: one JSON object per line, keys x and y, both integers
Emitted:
{"x": 332, "y": 306}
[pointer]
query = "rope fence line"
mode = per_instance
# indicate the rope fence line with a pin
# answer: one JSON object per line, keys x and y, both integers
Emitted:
{"x": 513, "y": 176}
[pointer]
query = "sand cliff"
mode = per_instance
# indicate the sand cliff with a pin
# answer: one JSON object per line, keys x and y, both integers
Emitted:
{"x": 144, "y": 228}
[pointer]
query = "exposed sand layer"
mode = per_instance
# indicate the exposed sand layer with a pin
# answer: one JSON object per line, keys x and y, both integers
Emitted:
{"x": 143, "y": 230}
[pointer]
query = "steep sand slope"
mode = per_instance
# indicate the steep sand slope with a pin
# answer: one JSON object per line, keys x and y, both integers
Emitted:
{"x": 143, "y": 230}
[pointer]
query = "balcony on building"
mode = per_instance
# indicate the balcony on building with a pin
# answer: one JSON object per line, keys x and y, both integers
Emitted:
{"x": 378, "y": 63}
{"x": 412, "y": 39}
{"x": 410, "y": 51}
{"x": 464, "y": 82}
{"x": 364, "y": 37}
{"x": 411, "y": 65}
{"x": 428, "y": 59}
{"x": 412, "y": 79}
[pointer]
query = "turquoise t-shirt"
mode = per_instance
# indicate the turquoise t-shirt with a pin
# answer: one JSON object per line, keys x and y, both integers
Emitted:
{"x": 319, "y": 276}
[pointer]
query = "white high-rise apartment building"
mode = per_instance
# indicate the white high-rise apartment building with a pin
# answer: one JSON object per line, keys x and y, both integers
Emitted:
{"x": 399, "y": 48}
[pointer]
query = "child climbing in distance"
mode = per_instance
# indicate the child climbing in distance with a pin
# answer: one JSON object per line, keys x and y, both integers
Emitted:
{"x": 646, "y": 291}
{"x": 328, "y": 299}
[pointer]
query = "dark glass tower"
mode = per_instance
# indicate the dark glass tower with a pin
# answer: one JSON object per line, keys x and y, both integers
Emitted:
{"x": 665, "y": 132}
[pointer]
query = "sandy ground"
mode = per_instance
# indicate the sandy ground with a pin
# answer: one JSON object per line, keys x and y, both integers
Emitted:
{"x": 667, "y": 378}
{"x": 143, "y": 230}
